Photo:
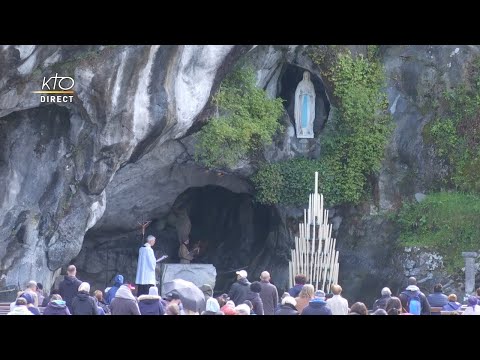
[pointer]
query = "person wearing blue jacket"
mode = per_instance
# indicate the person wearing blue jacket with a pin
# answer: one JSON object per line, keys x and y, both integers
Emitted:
{"x": 113, "y": 290}
{"x": 438, "y": 298}
{"x": 453, "y": 304}
{"x": 300, "y": 280}
{"x": 151, "y": 304}
{"x": 317, "y": 306}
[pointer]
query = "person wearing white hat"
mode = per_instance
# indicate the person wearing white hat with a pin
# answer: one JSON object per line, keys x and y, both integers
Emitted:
{"x": 239, "y": 290}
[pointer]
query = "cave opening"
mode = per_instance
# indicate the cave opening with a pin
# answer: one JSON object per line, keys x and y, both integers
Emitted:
{"x": 232, "y": 231}
{"x": 289, "y": 80}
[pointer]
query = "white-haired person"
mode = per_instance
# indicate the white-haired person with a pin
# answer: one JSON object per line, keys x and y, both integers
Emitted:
{"x": 288, "y": 306}
{"x": 269, "y": 294}
{"x": 146, "y": 267}
{"x": 284, "y": 295}
{"x": 83, "y": 303}
{"x": 381, "y": 303}
{"x": 242, "y": 309}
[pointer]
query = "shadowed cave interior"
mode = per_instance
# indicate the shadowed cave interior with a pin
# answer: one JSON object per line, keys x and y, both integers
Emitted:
{"x": 232, "y": 231}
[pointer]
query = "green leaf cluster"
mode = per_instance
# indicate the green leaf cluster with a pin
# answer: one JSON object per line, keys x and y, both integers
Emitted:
{"x": 248, "y": 120}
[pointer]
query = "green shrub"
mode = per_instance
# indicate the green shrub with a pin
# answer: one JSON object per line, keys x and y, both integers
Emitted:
{"x": 287, "y": 182}
{"x": 248, "y": 120}
{"x": 455, "y": 135}
{"x": 444, "y": 222}
{"x": 353, "y": 143}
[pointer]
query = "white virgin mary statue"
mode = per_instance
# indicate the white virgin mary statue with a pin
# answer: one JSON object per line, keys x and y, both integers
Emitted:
{"x": 305, "y": 107}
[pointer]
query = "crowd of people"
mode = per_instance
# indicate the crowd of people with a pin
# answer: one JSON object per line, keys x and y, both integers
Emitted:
{"x": 73, "y": 297}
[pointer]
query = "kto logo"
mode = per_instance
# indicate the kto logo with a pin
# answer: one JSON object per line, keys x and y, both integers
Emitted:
{"x": 60, "y": 85}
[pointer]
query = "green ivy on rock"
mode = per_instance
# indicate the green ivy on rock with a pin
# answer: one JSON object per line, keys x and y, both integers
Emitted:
{"x": 455, "y": 135}
{"x": 444, "y": 222}
{"x": 248, "y": 120}
{"x": 353, "y": 143}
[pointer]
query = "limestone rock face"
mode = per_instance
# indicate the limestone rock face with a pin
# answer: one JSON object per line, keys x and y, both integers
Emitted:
{"x": 370, "y": 254}
{"x": 77, "y": 178}
{"x": 57, "y": 160}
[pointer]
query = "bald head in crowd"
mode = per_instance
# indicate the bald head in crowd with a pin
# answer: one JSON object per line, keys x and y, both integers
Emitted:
{"x": 265, "y": 276}
{"x": 71, "y": 270}
{"x": 412, "y": 281}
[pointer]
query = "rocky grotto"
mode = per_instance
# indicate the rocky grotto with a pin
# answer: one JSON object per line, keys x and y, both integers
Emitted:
{"x": 76, "y": 178}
